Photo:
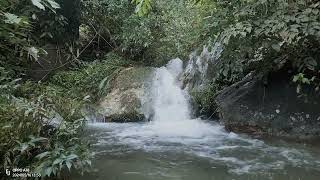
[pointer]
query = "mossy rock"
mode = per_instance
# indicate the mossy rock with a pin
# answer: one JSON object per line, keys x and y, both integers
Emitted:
{"x": 129, "y": 96}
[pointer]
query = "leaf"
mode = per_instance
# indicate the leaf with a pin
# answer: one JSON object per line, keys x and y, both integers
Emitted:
{"x": 68, "y": 163}
{"x": 87, "y": 98}
{"x": 298, "y": 88}
{"x": 33, "y": 52}
{"x": 276, "y": 47}
{"x": 57, "y": 161}
{"x": 12, "y": 18}
{"x": 38, "y": 3}
{"x": 24, "y": 147}
{"x": 102, "y": 83}
{"x": 142, "y": 6}
{"x": 53, "y": 4}
{"x": 42, "y": 155}
{"x": 305, "y": 81}
{"x": 311, "y": 63}
{"x": 88, "y": 162}
{"x": 225, "y": 72}
{"x": 72, "y": 156}
{"x": 295, "y": 78}
{"x": 38, "y": 139}
{"x": 48, "y": 171}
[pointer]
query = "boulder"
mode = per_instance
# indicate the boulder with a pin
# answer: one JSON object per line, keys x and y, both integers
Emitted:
{"x": 273, "y": 108}
{"x": 128, "y": 100}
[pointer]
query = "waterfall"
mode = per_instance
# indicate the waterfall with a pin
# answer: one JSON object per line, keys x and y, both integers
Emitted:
{"x": 170, "y": 101}
{"x": 174, "y": 145}
{"x": 171, "y": 106}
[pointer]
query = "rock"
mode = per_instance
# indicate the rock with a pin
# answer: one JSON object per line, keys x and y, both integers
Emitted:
{"x": 128, "y": 100}
{"x": 202, "y": 68}
{"x": 91, "y": 113}
{"x": 252, "y": 106}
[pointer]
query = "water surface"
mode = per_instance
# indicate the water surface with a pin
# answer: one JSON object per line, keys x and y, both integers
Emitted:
{"x": 175, "y": 146}
{"x": 137, "y": 151}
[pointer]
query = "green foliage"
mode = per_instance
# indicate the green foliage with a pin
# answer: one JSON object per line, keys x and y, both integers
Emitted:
{"x": 169, "y": 29}
{"x": 179, "y": 29}
{"x": 27, "y": 131}
{"x": 142, "y": 6}
{"x": 301, "y": 80}
{"x": 108, "y": 20}
{"x": 205, "y": 99}
{"x": 257, "y": 35}
{"x": 33, "y": 120}
{"x": 266, "y": 36}
{"x": 22, "y": 28}
{"x": 90, "y": 82}
{"x": 66, "y": 151}
{"x": 50, "y": 115}
{"x": 13, "y": 33}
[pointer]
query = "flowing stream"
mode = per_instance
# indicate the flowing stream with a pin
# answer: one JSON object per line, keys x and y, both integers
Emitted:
{"x": 175, "y": 146}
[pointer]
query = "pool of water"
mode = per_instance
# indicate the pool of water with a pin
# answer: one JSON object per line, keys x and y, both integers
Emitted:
{"x": 194, "y": 150}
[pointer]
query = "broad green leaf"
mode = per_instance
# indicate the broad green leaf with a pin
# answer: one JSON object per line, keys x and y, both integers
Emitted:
{"x": 57, "y": 161}
{"x": 68, "y": 163}
{"x": 42, "y": 155}
{"x": 295, "y": 78}
{"x": 38, "y": 139}
{"x": 38, "y": 3}
{"x": 53, "y": 4}
{"x": 24, "y": 147}
{"x": 276, "y": 47}
{"x": 48, "y": 171}
{"x": 102, "y": 83}
{"x": 12, "y": 18}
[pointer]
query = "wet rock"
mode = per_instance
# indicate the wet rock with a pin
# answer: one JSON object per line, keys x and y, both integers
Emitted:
{"x": 128, "y": 100}
{"x": 254, "y": 107}
{"x": 202, "y": 68}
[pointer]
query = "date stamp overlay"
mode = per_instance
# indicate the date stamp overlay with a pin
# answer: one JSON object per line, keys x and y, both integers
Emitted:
{"x": 19, "y": 173}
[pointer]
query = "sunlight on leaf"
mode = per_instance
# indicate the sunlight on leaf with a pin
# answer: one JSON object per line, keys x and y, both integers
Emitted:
{"x": 12, "y": 18}
{"x": 38, "y": 4}
{"x": 53, "y": 4}
{"x": 33, "y": 52}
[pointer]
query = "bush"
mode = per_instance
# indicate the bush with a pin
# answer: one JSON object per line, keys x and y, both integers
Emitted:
{"x": 169, "y": 29}
{"x": 29, "y": 139}
{"x": 40, "y": 128}
{"x": 267, "y": 35}
{"x": 205, "y": 97}
{"x": 91, "y": 81}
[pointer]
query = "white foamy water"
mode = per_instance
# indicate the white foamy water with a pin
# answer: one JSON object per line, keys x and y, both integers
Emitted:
{"x": 171, "y": 106}
{"x": 172, "y": 130}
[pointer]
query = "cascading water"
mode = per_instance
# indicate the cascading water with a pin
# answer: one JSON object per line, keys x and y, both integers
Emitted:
{"x": 171, "y": 105}
{"x": 170, "y": 102}
{"x": 174, "y": 146}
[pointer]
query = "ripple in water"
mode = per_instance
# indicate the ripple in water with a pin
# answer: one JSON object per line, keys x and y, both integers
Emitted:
{"x": 174, "y": 131}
